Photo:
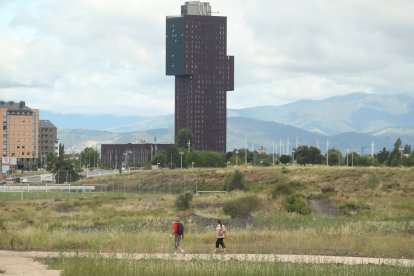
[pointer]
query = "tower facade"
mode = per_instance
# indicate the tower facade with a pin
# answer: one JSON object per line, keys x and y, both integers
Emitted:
{"x": 196, "y": 54}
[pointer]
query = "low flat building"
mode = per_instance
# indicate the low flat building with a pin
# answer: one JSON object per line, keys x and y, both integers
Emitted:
{"x": 130, "y": 155}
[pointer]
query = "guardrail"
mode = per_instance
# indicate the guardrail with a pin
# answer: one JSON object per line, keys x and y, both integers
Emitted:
{"x": 200, "y": 192}
{"x": 47, "y": 188}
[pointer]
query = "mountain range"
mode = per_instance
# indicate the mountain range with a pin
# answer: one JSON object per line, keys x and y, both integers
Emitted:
{"x": 351, "y": 121}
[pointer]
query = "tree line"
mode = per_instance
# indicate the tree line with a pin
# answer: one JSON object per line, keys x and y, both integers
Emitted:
{"x": 66, "y": 167}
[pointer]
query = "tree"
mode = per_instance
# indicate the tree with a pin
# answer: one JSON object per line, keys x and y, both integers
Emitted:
{"x": 205, "y": 159}
{"x": 61, "y": 149}
{"x": 383, "y": 155}
{"x": 64, "y": 171}
{"x": 89, "y": 157}
{"x": 234, "y": 181}
{"x": 183, "y": 201}
{"x": 334, "y": 157}
{"x": 409, "y": 162}
{"x": 284, "y": 159}
{"x": 62, "y": 166}
{"x": 407, "y": 149}
{"x": 184, "y": 136}
{"x": 395, "y": 158}
{"x": 308, "y": 155}
{"x": 51, "y": 159}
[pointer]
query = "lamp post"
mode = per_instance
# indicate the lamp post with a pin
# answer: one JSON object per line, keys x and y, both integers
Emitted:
{"x": 192, "y": 164}
{"x": 181, "y": 153}
{"x": 347, "y": 152}
{"x": 237, "y": 161}
{"x": 327, "y": 152}
{"x": 352, "y": 158}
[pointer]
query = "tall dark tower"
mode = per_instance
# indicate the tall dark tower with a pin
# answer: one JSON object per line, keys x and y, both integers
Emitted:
{"x": 196, "y": 54}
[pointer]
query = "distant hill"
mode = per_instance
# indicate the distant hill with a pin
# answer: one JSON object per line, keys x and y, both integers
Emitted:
{"x": 257, "y": 133}
{"x": 357, "y": 112}
{"x": 351, "y": 121}
{"x": 75, "y": 140}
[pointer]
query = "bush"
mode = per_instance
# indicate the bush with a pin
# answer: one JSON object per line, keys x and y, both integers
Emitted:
{"x": 183, "y": 201}
{"x": 281, "y": 189}
{"x": 234, "y": 181}
{"x": 294, "y": 203}
{"x": 284, "y": 188}
{"x": 242, "y": 207}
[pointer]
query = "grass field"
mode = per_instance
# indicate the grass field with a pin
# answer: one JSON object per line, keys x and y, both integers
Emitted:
{"x": 134, "y": 213}
{"x": 95, "y": 265}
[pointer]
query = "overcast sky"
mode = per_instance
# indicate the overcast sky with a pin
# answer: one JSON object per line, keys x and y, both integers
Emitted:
{"x": 108, "y": 56}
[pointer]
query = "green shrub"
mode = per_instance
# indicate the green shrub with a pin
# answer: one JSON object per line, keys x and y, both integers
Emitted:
{"x": 255, "y": 187}
{"x": 183, "y": 201}
{"x": 281, "y": 189}
{"x": 234, "y": 181}
{"x": 294, "y": 203}
{"x": 242, "y": 207}
{"x": 285, "y": 170}
{"x": 2, "y": 224}
{"x": 284, "y": 188}
{"x": 296, "y": 184}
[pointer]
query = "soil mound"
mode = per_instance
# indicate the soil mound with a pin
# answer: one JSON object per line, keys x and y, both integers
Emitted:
{"x": 324, "y": 207}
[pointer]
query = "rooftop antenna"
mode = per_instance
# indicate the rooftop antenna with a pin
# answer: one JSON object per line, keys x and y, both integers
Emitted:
{"x": 199, "y": 7}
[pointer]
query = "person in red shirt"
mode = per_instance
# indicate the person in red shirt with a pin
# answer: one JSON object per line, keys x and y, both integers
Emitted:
{"x": 178, "y": 233}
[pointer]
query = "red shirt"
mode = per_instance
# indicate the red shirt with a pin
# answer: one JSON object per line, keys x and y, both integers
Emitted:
{"x": 175, "y": 228}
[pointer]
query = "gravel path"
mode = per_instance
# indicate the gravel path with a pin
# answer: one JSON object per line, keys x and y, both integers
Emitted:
{"x": 22, "y": 263}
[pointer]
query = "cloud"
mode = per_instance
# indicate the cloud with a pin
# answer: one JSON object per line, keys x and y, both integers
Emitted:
{"x": 108, "y": 57}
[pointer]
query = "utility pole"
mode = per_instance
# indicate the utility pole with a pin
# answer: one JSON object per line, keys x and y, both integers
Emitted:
{"x": 327, "y": 152}
{"x": 245, "y": 152}
{"x": 181, "y": 153}
{"x": 372, "y": 148}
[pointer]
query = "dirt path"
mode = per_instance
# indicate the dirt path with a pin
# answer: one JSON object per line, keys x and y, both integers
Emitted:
{"x": 22, "y": 263}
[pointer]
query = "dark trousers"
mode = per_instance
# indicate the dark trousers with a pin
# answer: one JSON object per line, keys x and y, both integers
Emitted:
{"x": 220, "y": 241}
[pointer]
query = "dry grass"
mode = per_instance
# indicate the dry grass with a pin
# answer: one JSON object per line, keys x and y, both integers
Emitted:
{"x": 381, "y": 223}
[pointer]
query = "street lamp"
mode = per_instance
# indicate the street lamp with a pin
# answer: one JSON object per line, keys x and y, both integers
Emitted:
{"x": 192, "y": 164}
{"x": 347, "y": 153}
{"x": 181, "y": 153}
{"x": 401, "y": 151}
{"x": 237, "y": 153}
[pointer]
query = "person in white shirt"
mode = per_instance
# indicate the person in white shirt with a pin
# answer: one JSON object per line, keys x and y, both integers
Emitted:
{"x": 220, "y": 235}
